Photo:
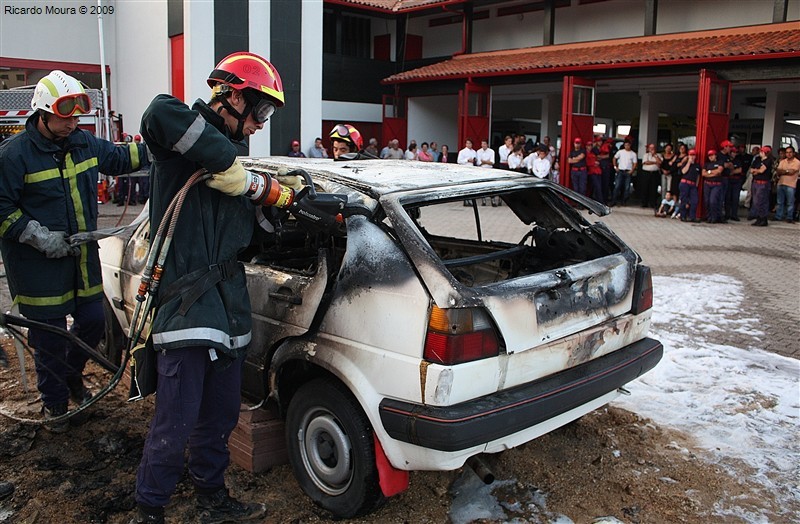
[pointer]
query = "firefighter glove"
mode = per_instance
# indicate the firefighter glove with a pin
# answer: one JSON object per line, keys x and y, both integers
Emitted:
{"x": 290, "y": 179}
{"x": 233, "y": 181}
{"x": 258, "y": 187}
{"x": 52, "y": 243}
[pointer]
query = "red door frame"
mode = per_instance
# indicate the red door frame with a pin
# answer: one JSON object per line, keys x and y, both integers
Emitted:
{"x": 574, "y": 125}
{"x": 713, "y": 113}
{"x": 473, "y": 119}
{"x": 395, "y": 120}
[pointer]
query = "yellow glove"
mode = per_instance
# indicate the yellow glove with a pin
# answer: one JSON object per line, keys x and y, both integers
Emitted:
{"x": 292, "y": 181}
{"x": 259, "y": 187}
{"x": 233, "y": 181}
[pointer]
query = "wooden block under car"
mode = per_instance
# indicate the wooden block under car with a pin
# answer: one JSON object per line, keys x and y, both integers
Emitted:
{"x": 258, "y": 441}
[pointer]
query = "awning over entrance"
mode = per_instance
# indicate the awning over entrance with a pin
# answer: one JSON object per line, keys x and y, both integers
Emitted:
{"x": 772, "y": 41}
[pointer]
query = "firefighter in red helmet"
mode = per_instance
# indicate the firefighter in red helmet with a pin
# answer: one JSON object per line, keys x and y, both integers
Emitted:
{"x": 200, "y": 342}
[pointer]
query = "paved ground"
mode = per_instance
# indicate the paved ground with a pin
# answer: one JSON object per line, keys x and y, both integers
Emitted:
{"x": 765, "y": 260}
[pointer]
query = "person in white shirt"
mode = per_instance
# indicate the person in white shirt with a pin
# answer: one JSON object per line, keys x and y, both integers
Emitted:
{"x": 411, "y": 154}
{"x": 541, "y": 164}
{"x": 528, "y": 162}
{"x": 505, "y": 150}
{"x": 467, "y": 155}
{"x": 515, "y": 160}
{"x": 625, "y": 162}
{"x": 393, "y": 151}
{"x": 484, "y": 157}
{"x": 651, "y": 176}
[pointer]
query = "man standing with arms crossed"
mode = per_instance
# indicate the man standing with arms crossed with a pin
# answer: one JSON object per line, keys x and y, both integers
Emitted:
{"x": 202, "y": 324}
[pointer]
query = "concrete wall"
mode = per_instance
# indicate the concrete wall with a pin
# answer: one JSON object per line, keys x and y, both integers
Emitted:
{"x": 135, "y": 82}
{"x": 432, "y": 119}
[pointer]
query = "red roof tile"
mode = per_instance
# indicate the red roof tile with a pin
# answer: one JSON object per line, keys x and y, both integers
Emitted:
{"x": 395, "y": 6}
{"x": 754, "y": 42}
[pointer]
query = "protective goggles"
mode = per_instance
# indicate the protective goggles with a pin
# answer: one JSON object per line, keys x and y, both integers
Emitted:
{"x": 262, "y": 110}
{"x": 68, "y": 105}
{"x": 344, "y": 132}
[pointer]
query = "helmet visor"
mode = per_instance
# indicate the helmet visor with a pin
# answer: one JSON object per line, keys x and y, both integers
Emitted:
{"x": 68, "y": 105}
{"x": 262, "y": 110}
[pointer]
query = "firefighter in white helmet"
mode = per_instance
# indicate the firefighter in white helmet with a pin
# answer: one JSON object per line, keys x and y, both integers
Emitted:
{"x": 48, "y": 191}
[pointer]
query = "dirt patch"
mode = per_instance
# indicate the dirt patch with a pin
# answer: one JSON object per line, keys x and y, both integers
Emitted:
{"x": 610, "y": 462}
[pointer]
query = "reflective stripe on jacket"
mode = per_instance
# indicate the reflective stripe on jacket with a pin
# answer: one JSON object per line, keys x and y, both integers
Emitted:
{"x": 56, "y": 185}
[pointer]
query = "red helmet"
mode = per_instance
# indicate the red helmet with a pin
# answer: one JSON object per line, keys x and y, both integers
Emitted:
{"x": 244, "y": 70}
{"x": 347, "y": 133}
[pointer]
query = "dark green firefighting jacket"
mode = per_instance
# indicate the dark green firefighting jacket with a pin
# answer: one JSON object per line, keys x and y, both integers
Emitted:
{"x": 56, "y": 185}
{"x": 211, "y": 230}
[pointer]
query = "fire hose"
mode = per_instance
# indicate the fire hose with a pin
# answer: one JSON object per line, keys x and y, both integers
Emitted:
{"x": 325, "y": 214}
{"x": 147, "y": 288}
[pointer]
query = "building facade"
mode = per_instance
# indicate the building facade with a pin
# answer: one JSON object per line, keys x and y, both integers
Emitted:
{"x": 443, "y": 70}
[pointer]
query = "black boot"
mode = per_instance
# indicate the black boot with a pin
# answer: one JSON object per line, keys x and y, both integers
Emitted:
{"x": 220, "y": 507}
{"x": 77, "y": 391}
{"x": 148, "y": 516}
{"x": 53, "y": 411}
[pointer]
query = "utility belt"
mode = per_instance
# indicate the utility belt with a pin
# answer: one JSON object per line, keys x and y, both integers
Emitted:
{"x": 579, "y": 168}
{"x": 710, "y": 183}
{"x": 688, "y": 182}
{"x": 195, "y": 284}
{"x": 761, "y": 181}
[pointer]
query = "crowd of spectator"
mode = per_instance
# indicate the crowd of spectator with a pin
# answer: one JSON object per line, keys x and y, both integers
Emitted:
{"x": 670, "y": 181}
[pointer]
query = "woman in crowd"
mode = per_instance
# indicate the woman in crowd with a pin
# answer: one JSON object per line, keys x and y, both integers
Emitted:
{"x": 679, "y": 163}
{"x": 668, "y": 169}
{"x": 443, "y": 157}
{"x": 424, "y": 155}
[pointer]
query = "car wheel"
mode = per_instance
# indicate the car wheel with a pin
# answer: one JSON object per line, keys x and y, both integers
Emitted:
{"x": 113, "y": 342}
{"x": 331, "y": 449}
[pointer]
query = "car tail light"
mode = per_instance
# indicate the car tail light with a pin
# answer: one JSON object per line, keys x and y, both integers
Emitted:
{"x": 459, "y": 335}
{"x": 642, "y": 290}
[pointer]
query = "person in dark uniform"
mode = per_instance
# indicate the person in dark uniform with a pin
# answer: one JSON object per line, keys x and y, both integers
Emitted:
{"x": 736, "y": 176}
{"x": 713, "y": 190}
{"x": 48, "y": 191}
{"x": 577, "y": 166}
{"x": 201, "y": 343}
{"x": 690, "y": 175}
{"x": 761, "y": 170}
{"x": 723, "y": 157}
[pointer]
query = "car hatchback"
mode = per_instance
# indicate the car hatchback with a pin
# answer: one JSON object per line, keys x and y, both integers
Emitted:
{"x": 407, "y": 335}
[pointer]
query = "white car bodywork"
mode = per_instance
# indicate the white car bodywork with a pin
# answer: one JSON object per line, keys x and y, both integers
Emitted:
{"x": 361, "y": 313}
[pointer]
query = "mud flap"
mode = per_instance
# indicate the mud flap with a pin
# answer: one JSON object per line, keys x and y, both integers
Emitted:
{"x": 391, "y": 480}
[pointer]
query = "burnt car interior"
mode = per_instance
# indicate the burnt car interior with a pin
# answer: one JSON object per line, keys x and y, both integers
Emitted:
{"x": 552, "y": 235}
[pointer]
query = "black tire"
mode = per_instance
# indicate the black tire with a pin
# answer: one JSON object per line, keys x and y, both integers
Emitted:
{"x": 113, "y": 342}
{"x": 331, "y": 449}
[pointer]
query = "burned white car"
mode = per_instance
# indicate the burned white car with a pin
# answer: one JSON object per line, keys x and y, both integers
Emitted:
{"x": 410, "y": 336}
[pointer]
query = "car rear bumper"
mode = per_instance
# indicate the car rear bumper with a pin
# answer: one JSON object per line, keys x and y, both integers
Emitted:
{"x": 495, "y": 416}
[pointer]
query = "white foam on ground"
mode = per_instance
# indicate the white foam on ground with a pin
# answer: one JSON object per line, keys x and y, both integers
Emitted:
{"x": 737, "y": 402}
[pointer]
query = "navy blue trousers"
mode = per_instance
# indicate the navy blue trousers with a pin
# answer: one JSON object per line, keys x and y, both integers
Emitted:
{"x": 760, "y": 198}
{"x": 688, "y": 201}
{"x": 713, "y": 193}
{"x": 196, "y": 405}
{"x": 58, "y": 360}
{"x": 596, "y": 184}
{"x": 579, "y": 177}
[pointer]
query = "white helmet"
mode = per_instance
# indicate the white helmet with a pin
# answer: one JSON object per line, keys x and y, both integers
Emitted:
{"x": 60, "y": 94}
